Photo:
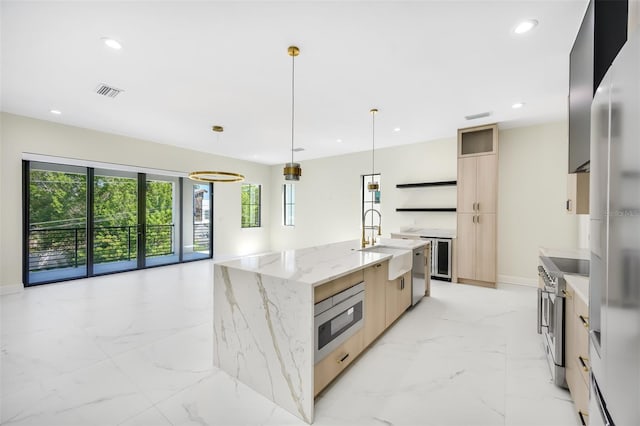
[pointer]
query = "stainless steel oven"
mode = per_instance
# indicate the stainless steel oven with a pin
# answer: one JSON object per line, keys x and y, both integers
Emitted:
{"x": 336, "y": 319}
{"x": 551, "y": 323}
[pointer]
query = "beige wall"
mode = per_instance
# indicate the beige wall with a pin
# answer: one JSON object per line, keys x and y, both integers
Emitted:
{"x": 20, "y": 134}
{"x": 532, "y": 191}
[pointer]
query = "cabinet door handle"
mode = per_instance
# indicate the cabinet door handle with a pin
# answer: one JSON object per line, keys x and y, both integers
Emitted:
{"x": 478, "y": 221}
{"x": 582, "y": 360}
{"x": 341, "y": 360}
{"x": 378, "y": 265}
{"x": 478, "y": 206}
{"x": 474, "y": 207}
{"x": 585, "y": 321}
{"x": 402, "y": 283}
{"x": 474, "y": 218}
{"x": 568, "y": 205}
{"x": 582, "y": 416}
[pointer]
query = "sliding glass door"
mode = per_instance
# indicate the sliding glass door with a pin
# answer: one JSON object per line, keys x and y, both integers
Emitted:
{"x": 162, "y": 215}
{"x": 116, "y": 231}
{"x": 56, "y": 231}
{"x": 196, "y": 226}
{"x": 83, "y": 221}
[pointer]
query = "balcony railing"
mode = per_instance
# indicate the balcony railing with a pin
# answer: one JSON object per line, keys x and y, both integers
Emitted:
{"x": 66, "y": 247}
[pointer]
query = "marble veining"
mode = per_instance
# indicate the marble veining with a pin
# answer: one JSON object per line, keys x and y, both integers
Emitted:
{"x": 310, "y": 266}
{"x": 263, "y": 331}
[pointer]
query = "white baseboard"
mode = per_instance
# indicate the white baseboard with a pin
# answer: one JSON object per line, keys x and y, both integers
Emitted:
{"x": 509, "y": 279}
{"x": 10, "y": 289}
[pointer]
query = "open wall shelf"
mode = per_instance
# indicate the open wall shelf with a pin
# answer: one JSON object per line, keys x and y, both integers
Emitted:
{"x": 427, "y": 209}
{"x": 424, "y": 184}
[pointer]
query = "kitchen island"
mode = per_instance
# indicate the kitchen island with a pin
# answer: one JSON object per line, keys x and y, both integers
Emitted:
{"x": 263, "y": 317}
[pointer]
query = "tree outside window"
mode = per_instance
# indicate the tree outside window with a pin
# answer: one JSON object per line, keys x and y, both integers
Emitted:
{"x": 250, "y": 199}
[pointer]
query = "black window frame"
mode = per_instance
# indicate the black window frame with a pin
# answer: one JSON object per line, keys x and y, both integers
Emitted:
{"x": 292, "y": 219}
{"x": 258, "y": 222}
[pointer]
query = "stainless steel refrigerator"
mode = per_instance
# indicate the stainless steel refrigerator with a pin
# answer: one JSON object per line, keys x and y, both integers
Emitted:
{"x": 614, "y": 295}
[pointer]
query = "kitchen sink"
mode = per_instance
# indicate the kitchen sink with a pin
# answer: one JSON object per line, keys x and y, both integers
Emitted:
{"x": 401, "y": 261}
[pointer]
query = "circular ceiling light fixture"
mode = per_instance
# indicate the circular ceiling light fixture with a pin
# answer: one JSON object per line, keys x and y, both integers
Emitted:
{"x": 215, "y": 176}
{"x": 112, "y": 43}
{"x": 292, "y": 171}
{"x": 517, "y": 105}
{"x": 525, "y": 26}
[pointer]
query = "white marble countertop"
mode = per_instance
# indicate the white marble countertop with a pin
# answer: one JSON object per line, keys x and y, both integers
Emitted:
{"x": 427, "y": 232}
{"x": 312, "y": 265}
{"x": 581, "y": 285}
{"x": 568, "y": 253}
{"x": 408, "y": 244}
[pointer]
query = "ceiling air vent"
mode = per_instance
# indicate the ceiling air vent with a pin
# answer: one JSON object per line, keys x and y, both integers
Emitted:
{"x": 476, "y": 116}
{"x": 298, "y": 149}
{"x": 108, "y": 91}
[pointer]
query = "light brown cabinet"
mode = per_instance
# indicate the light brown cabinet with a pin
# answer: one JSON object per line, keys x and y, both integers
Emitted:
{"x": 375, "y": 278}
{"x": 577, "y": 364}
{"x": 331, "y": 366}
{"x": 384, "y": 301}
{"x": 577, "y": 193}
{"x": 477, "y": 205}
{"x": 398, "y": 297}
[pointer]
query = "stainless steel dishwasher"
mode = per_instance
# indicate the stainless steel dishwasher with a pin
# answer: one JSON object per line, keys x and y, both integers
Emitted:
{"x": 419, "y": 281}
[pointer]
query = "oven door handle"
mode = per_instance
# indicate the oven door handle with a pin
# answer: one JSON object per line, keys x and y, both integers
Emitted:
{"x": 539, "y": 311}
{"x": 542, "y": 294}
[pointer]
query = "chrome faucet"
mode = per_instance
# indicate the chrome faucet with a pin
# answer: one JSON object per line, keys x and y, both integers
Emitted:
{"x": 379, "y": 227}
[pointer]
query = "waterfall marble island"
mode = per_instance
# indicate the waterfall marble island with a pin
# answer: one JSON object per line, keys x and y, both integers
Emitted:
{"x": 287, "y": 323}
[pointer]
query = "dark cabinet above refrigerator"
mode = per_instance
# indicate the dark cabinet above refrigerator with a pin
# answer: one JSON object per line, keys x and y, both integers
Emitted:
{"x": 602, "y": 33}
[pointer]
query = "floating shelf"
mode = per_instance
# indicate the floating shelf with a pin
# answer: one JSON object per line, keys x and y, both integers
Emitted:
{"x": 427, "y": 209}
{"x": 422, "y": 184}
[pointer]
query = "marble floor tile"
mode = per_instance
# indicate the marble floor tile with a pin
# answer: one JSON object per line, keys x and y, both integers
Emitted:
{"x": 167, "y": 366}
{"x": 97, "y": 395}
{"x": 135, "y": 349}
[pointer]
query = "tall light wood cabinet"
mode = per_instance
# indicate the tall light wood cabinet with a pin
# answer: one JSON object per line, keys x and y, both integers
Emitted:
{"x": 477, "y": 205}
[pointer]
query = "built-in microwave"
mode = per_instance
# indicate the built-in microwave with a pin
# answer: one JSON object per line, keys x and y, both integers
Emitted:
{"x": 336, "y": 319}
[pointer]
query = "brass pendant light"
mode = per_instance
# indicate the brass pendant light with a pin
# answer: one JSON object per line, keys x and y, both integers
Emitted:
{"x": 292, "y": 171}
{"x": 216, "y": 176}
{"x": 373, "y": 186}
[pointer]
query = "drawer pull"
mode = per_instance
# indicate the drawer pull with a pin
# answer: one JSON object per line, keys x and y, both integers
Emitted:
{"x": 378, "y": 265}
{"x": 584, "y": 364}
{"x": 341, "y": 360}
{"x": 585, "y": 321}
{"x": 566, "y": 294}
{"x": 582, "y": 416}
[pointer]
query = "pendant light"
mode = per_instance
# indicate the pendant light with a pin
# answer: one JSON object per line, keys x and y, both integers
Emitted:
{"x": 373, "y": 186}
{"x": 213, "y": 176}
{"x": 292, "y": 171}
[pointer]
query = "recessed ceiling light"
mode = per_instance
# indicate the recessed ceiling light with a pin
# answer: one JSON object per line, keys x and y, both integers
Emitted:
{"x": 397, "y": 129}
{"x": 112, "y": 43}
{"x": 339, "y": 140}
{"x": 525, "y": 26}
{"x": 55, "y": 111}
{"x": 517, "y": 105}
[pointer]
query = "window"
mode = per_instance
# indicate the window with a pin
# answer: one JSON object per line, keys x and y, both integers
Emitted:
{"x": 289, "y": 207}
{"x": 371, "y": 211}
{"x": 250, "y": 199}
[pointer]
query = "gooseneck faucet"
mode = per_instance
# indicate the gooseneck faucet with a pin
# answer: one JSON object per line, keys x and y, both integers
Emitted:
{"x": 379, "y": 227}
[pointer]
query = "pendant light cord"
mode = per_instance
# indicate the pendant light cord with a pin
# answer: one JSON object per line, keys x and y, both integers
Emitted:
{"x": 373, "y": 144}
{"x": 293, "y": 97}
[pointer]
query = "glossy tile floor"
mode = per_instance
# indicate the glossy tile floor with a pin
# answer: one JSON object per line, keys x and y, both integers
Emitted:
{"x": 136, "y": 349}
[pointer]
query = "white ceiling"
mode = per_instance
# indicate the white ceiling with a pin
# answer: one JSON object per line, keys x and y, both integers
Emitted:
{"x": 186, "y": 66}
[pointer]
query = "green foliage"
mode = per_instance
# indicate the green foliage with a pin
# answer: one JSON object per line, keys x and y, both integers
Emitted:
{"x": 250, "y": 205}
{"x": 58, "y": 201}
